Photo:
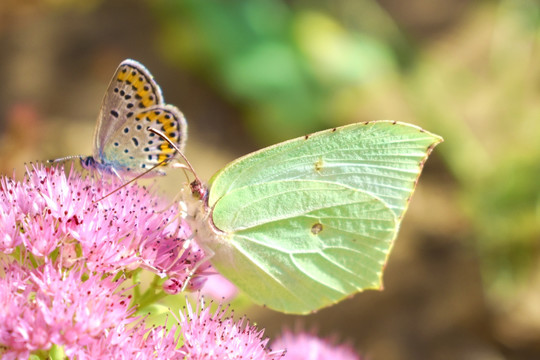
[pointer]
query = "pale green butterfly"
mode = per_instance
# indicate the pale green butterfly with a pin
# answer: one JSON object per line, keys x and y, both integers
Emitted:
{"x": 303, "y": 224}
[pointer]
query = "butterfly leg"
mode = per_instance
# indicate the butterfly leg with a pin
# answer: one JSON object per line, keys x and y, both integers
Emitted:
{"x": 199, "y": 263}
{"x": 117, "y": 174}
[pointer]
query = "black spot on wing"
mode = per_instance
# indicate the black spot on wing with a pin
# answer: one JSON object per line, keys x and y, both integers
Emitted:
{"x": 316, "y": 228}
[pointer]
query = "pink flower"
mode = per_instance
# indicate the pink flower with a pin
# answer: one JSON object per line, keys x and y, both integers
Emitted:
{"x": 208, "y": 335}
{"x": 304, "y": 346}
{"x": 37, "y": 234}
{"x": 138, "y": 342}
{"x": 126, "y": 230}
{"x": 10, "y": 234}
{"x": 47, "y": 305}
{"x": 90, "y": 319}
{"x": 78, "y": 246}
{"x": 218, "y": 287}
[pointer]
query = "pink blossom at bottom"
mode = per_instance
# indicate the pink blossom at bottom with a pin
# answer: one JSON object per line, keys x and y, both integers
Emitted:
{"x": 211, "y": 335}
{"x": 219, "y": 287}
{"x": 305, "y": 346}
{"x": 47, "y": 305}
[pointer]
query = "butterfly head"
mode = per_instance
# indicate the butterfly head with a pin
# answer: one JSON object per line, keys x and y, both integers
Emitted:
{"x": 88, "y": 162}
{"x": 198, "y": 190}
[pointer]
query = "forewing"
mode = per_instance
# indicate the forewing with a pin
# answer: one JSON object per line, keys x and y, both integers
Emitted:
{"x": 131, "y": 90}
{"x": 382, "y": 158}
{"x": 134, "y": 149}
{"x": 297, "y": 246}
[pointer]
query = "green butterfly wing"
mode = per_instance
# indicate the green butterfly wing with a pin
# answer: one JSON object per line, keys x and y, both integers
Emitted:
{"x": 308, "y": 222}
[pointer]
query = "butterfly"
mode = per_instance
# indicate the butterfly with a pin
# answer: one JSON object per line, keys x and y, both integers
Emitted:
{"x": 303, "y": 224}
{"x": 132, "y": 103}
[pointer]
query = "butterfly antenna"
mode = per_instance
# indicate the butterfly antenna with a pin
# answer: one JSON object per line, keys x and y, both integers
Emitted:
{"x": 52, "y": 161}
{"x": 166, "y": 138}
{"x": 132, "y": 180}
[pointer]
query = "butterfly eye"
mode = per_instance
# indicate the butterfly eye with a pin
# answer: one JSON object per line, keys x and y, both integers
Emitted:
{"x": 198, "y": 190}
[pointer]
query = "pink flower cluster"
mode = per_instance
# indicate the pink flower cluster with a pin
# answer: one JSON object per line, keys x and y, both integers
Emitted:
{"x": 208, "y": 335}
{"x": 70, "y": 251}
{"x": 46, "y": 305}
{"x": 130, "y": 229}
{"x": 92, "y": 319}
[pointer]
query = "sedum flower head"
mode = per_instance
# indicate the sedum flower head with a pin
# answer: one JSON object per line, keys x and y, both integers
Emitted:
{"x": 47, "y": 305}
{"x": 213, "y": 335}
{"x": 126, "y": 230}
{"x": 68, "y": 250}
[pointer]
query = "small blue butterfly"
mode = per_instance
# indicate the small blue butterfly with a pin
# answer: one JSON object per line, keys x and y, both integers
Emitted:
{"x": 132, "y": 103}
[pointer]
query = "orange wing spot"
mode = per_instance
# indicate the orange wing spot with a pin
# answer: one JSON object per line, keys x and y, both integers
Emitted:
{"x": 150, "y": 116}
{"x": 168, "y": 127}
{"x": 133, "y": 78}
{"x": 142, "y": 87}
{"x": 165, "y": 148}
{"x": 162, "y": 157}
{"x": 123, "y": 74}
{"x": 146, "y": 101}
{"x": 166, "y": 152}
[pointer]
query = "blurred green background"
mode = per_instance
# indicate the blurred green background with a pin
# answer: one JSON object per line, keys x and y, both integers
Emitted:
{"x": 464, "y": 279}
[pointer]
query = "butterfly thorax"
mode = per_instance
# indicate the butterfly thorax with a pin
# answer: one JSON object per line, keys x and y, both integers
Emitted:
{"x": 198, "y": 215}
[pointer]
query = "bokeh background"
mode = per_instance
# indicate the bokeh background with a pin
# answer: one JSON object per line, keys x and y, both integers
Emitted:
{"x": 463, "y": 281}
